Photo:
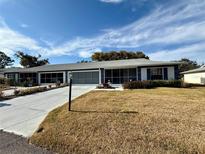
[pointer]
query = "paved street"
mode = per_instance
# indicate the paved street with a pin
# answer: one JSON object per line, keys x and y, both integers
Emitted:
{"x": 14, "y": 144}
{"x": 23, "y": 115}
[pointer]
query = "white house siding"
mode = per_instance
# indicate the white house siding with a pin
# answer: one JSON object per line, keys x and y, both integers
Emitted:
{"x": 144, "y": 74}
{"x": 39, "y": 78}
{"x": 171, "y": 74}
{"x": 195, "y": 78}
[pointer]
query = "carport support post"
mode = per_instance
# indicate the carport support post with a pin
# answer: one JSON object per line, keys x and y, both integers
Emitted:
{"x": 70, "y": 88}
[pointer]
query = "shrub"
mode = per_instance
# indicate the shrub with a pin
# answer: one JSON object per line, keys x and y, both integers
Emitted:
{"x": 105, "y": 86}
{"x": 2, "y": 80}
{"x": 16, "y": 92}
{"x": 3, "y": 86}
{"x": 58, "y": 83}
{"x": 11, "y": 82}
{"x": 167, "y": 83}
{"x": 6, "y": 81}
{"x": 31, "y": 91}
{"x": 154, "y": 84}
{"x": 137, "y": 85}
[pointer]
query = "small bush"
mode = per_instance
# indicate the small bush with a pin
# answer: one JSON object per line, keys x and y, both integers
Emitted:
{"x": 137, "y": 85}
{"x": 31, "y": 91}
{"x": 2, "y": 80}
{"x": 58, "y": 83}
{"x": 105, "y": 86}
{"x": 16, "y": 92}
{"x": 11, "y": 82}
{"x": 155, "y": 84}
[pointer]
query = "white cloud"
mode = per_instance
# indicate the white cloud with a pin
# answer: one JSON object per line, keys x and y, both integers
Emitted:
{"x": 12, "y": 41}
{"x": 194, "y": 51}
{"x": 112, "y": 1}
{"x": 180, "y": 26}
{"x": 85, "y": 53}
{"x": 175, "y": 25}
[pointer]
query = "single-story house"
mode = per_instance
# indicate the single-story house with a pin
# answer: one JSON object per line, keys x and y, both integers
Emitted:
{"x": 116, "y": 72}
{"x": 196, "y": 76}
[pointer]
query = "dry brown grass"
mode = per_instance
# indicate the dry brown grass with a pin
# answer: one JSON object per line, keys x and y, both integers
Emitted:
{"x": 162, "y": 120}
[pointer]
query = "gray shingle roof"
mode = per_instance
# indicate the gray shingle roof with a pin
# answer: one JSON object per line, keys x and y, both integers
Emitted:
{"x": 95, "y": 65}
{"x": 198, "y": 70}
{"x": 12, "y": 69}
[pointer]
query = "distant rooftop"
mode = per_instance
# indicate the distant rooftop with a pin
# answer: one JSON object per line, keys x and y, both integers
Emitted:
{"x": 198, "y": 70}
{"x": 94, "y": 65}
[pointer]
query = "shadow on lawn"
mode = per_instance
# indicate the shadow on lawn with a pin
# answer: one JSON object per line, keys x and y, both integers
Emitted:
{"x": 127, "y": 112}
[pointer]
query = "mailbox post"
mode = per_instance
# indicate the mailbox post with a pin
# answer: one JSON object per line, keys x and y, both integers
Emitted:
{"x": 70, "y": 92}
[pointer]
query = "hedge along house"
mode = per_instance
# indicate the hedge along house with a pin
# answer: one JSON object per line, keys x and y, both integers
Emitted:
{"x": 116, "y": 72}
{"x": 196, "y": 76}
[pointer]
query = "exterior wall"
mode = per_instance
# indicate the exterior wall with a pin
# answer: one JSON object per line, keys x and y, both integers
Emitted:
{"x": 1, "y": 75}
{"x": 39, "y": 78}
{"x": 171, "y": 73}
{"x": 102, "y": 74}
{"x": 16, "y": 77}
{"x": 194, "y": 78}
{"x": 143, "y": 74}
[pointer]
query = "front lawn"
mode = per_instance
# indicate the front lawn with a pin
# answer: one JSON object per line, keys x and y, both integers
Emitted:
{"x": 162, "y": 120}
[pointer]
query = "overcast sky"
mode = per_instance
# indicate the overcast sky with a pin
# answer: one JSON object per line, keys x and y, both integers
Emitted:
{"x": 71, "y": 30}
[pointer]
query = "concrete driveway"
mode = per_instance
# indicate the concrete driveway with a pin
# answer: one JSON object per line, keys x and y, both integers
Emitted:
{"x": 23, "y": 115}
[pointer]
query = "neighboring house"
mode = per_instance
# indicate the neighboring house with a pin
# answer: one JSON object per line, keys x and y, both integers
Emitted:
{"x": 196, "y": 76}
{"x": 117, "y": 72}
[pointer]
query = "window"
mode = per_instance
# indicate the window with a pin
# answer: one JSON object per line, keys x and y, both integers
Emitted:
{"x": 108, "y": 73}
{"x": 124, "y": 72}
{"x": 51, "y": 77}
{"x": 31, "y": 77}
{"x": 132, "y": 74}
{"x": 203, "y": 80}
{"x": 156, "y": 74}
{"x": 118, "y": 76}
{"x": 11, "y": 76}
